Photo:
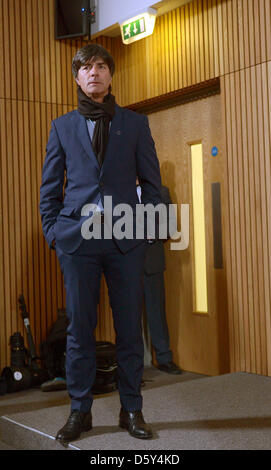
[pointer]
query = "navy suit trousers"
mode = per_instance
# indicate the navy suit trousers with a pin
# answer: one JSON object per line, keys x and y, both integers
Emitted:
{"x": 82, "y": 272}
{"x": 154, "y": 293}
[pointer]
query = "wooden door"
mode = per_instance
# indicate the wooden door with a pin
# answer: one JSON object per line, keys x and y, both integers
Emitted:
{"x": 199, "y": 337}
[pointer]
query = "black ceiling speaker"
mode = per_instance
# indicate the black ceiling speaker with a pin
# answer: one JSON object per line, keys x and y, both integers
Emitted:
{"x": 73, "y": 18}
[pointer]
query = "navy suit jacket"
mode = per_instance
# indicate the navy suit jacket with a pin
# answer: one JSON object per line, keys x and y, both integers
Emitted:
{"x": 72, "y": 177}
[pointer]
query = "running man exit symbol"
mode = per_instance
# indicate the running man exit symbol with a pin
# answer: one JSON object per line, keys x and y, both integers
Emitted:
{"x": 134, "y": 28}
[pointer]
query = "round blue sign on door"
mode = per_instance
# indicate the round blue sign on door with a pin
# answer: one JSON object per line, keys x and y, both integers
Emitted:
{"x": 214, "y": 151}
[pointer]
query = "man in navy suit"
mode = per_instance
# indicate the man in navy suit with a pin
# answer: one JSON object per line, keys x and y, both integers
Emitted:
{"x": 96, "y": 152}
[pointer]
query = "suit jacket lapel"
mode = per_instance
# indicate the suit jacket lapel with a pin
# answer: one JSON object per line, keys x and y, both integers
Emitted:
{"x": 84, "y": 138}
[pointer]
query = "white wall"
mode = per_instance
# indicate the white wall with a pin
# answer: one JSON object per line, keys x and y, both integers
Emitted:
{"x": 109, "y": 12}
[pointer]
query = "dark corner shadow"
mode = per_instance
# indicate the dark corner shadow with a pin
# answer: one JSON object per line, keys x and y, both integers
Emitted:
{"x": 22, "y": 406}
{"x": 164, "y": 380}
{"x": 224, "y": 423}
{"x": 151, "y": 381}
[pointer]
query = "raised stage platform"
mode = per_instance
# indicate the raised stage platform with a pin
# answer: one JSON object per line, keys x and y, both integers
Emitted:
{"x": 186, "y": 412}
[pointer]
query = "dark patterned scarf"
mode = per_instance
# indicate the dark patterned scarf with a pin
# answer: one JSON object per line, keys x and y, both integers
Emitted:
{"x": 102, "y": 113}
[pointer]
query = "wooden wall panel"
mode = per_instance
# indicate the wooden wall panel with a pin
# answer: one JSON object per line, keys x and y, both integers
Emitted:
{"x": 229, "y": 39}
{"x": 196, "y": 42}
{"x": 199, "y": 41}
{"x": 247, "y": 121}
{"x": 27, "y": 265}
{"x": 36, "y": 86}
{"x": 234, "y": 43}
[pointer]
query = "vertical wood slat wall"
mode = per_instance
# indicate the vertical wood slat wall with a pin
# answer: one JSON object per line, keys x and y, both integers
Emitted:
{"x": 230, "y": 39}
{"x": 247, "y": 122}
{"x": 36, "y": 86}
{"x": 201, "y": 40}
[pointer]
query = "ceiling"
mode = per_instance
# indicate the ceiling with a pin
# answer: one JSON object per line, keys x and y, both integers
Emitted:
{"x": 162, "y": 7}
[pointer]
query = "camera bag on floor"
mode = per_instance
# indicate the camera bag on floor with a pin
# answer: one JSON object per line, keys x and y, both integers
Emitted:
{"x": 53, "y": 355}
{"x": 54, "y": 348}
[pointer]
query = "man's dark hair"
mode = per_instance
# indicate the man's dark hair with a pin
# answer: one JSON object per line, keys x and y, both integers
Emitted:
{"x": 88, "y": 52}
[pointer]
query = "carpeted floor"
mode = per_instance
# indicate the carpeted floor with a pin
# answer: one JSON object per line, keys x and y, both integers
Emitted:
{"x": 186, "y": 412}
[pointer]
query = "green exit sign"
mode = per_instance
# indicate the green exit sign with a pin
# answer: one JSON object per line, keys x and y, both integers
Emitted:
{"x": 133, "y": 29}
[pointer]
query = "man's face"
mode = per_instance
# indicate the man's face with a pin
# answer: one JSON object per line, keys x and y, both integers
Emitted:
{"x": 94, "y": 79}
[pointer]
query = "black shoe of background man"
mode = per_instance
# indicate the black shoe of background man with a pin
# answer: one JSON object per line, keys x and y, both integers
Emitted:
{"x": 77, "y": 422}
{"x": 170, "y": 368}
{"x": 134, "y": 422}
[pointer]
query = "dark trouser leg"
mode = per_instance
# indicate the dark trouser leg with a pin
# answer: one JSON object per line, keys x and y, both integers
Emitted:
{"x": 82, "y": 274}
{"x": 154, "y": 296}
{"x": 124, "y": 276}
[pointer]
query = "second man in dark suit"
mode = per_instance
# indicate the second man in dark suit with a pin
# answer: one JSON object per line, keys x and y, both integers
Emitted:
{"x": 154, "y": 298}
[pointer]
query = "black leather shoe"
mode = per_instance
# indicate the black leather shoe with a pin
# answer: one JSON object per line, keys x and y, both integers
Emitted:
{"x": 170, "y": 368}
{"x": 76, "y": 423}
{"x": 134, "y": 422}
